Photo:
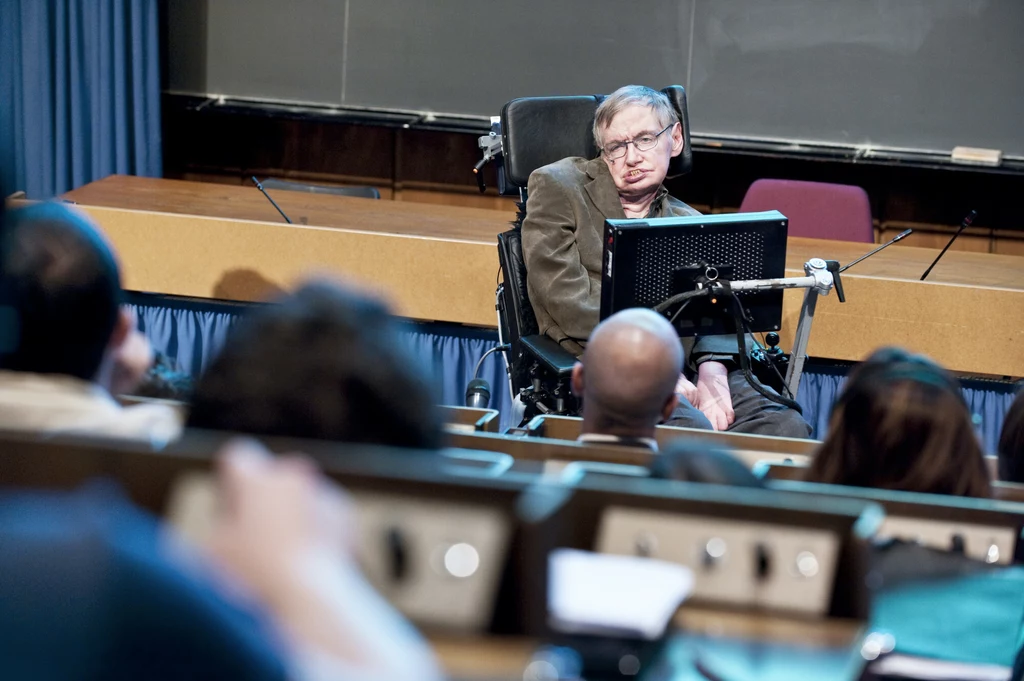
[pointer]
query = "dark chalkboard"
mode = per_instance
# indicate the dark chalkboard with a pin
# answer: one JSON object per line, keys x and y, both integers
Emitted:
{"x": 912, "y": 74}
{"x": 919, "y": 74}
{"x": 469, "y": 57}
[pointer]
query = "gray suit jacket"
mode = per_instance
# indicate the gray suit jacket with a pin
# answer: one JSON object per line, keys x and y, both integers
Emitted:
{"x": 563, "y": 234}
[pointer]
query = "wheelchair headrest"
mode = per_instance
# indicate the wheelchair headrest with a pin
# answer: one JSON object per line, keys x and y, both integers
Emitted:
{"x": 537, "y": 131}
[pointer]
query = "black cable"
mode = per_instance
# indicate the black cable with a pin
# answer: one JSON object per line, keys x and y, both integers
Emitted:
{"x": 771, "y": 362}
{"x": 782, "y": 379}
{"x": 480, "y": 362}
{"x": 741, "y": 339}
{"x": 768, "y": 358}
{"x": 679, "y": 310}
{"x": 685, "y": 296}
{"x": 740, "y": 321}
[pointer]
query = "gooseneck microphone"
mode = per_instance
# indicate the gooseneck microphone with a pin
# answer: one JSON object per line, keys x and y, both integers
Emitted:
{"x": 478, "y": 394}
{"x": 963, "y": 225}
{"x": 898, "y": 237}
{"x": 274, "y": 203}
{"x": 478, "y": 391}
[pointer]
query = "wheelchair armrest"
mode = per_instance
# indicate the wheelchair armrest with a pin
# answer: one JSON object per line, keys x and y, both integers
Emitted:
{"x": 549, "y": 353}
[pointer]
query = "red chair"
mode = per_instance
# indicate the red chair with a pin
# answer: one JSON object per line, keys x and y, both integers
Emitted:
{"x": 815, "y": 209}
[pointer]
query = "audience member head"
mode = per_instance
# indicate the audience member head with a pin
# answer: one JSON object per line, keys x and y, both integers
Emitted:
{"x": 1011, "y": 442}
{"x": 325, "y": 363}
{"x": 901, "y": 423}
{"x": 646, "y": 118}
{"x": 60, "y": 291}
{"x": 698, "y": 462}
{"x": 628, "y": 374}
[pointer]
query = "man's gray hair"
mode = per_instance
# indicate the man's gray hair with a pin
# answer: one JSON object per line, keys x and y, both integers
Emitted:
{"x": 629, "y": 95}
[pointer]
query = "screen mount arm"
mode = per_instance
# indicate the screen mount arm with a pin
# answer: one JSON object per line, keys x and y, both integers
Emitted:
{"x": 821, "y": 277}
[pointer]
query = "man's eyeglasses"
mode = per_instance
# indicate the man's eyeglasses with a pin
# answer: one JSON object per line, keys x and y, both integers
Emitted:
{"x": 642, "y": 143}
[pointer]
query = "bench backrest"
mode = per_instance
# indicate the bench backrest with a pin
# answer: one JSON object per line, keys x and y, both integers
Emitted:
{"x": 416, "y": 505}
{"x": 412, "y": 506}
{"x": 986, "y": 529}
{"x": 749, "y": 448}
{"x": 751, "y": 549}
{"x": 541, "y": 449}
{"x": 471, "y": 419}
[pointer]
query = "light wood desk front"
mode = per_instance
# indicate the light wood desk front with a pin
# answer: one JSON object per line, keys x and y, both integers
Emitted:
{"x": 570, "y": 427}
{"x": 440, "y": 263}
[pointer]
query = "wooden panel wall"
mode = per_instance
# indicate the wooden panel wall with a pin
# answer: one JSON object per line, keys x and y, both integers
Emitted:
{"x": 435, "y": 166}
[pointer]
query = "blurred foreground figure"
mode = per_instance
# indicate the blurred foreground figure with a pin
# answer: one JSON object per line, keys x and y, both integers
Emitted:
{"x": 92, "y": 588}
{"x": 1011, "y": 442}
{"x": 325, "y": 363}
{"x": 65, "y": 342}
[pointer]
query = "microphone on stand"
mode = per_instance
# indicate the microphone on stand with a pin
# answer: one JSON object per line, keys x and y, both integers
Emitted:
{"x": 274, "y": 203}
{"x": 478, "y": 394}
{"x": 896, "y": 238}
{"x": 478, "y": 391}
{"x": 963, "y": 225}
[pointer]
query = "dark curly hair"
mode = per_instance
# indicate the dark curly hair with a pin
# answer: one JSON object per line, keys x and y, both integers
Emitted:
{"x": 324, "y": 363}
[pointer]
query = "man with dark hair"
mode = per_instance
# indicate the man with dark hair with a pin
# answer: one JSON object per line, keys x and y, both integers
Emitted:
{"x": 63, "y": 331}
{"x": 638, "y": 133}
{"x": 320, "y": 363}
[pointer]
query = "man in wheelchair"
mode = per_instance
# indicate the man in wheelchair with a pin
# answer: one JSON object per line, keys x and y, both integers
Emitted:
{"x": 637, "y": 132}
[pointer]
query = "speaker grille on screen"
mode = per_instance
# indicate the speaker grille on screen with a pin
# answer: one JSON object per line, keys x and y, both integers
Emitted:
{"x": 653, "y": 284}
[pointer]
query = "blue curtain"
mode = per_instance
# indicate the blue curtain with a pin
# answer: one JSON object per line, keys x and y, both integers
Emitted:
{"x": 451, "y": 353}
{"x": 819, "y": 386}
{"x": 79, "y": 92}
{"x": 191, "y": 332}
{"x": 987, "y": 400}
{"x": 188, "y": 336}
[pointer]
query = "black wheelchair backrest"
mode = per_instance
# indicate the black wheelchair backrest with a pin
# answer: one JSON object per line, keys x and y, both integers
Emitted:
{"x": 518, "y": 319}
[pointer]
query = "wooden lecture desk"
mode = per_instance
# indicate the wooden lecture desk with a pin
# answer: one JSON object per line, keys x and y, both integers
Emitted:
{"x": 440, "y": 263}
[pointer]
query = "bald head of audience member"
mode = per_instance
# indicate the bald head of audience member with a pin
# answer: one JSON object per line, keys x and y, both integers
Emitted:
{"x": 628, "y": 374}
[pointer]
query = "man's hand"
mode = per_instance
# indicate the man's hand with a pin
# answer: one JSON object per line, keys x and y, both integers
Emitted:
{"x": 288, "y": 534}
{"x": 275, "y": 514}
{"x": 713, "y": 396}
{"x": 132, "y": 359}
{"x": 686, "y": 390}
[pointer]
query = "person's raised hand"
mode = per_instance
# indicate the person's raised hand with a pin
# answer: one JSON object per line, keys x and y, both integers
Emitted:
{"x": 275, "y": 513}
{"x": 287, "y": 533}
